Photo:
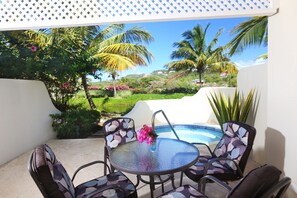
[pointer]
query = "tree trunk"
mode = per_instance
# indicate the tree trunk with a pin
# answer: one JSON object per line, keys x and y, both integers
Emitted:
{"x": 200, "y": 77}
{"x": 88, "y": 95}
{"x": 114, "y": 86}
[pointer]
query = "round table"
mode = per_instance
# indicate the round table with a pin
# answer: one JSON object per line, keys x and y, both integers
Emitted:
{"x": 170, "y": 156}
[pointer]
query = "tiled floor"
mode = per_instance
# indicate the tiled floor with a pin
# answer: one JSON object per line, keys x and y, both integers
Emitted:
{"x": 16, "y": 182}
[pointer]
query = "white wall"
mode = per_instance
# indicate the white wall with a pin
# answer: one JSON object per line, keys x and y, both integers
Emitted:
{"x": 24, "y": 117}
{"x": 282, "y": 91}
{"x": 188, "y": 110}
{"x": 255, "y": 77}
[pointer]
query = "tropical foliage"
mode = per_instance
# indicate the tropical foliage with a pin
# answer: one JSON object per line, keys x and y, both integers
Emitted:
{"x": 95, "y": 48}
{"x": 61, "y": 57}
{"x": 123, "y": 50}
{"x": 75, "y": 123}
{"x": 25, "y": 56}
{"x": 193, "y": 53}
{"x": 235, "y": 109}
{"x": 254, "y": 31}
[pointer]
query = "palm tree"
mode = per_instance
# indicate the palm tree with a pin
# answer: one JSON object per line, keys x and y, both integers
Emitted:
{"x": 194, "y": 54}
{"x": 122, "y": 51}
{"x": 95, "y": 48}
{"x": 251, "y": 32}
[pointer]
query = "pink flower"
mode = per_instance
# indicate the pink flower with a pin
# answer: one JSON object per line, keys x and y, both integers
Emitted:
{"x": 33, "y": 48}
{"x": 147, "y": 128}
{"x": 150, "y": 140}
{"x": 146, "y": 133}
{"x": 65, "y": 85}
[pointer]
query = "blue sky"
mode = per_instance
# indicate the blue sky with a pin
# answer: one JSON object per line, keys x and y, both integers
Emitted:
{"x": 166, "y": 33}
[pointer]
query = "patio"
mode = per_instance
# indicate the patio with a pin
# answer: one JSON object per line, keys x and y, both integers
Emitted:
{"x": 275, "y": 118}
{"x": 16, "y": 182}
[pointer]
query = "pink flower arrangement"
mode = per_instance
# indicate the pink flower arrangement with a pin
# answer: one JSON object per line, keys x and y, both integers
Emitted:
{"x": 146, "y": 133}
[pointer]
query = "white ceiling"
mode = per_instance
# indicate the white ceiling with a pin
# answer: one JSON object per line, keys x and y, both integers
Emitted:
{"x": 33, "y": 14}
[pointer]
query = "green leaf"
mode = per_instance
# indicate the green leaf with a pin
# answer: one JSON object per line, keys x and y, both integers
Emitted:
{"x": 235, "y": 109}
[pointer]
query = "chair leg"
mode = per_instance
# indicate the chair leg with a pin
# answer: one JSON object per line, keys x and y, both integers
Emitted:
{"x": 138, "y": 180}
{"x": 172, "y": 181}
{"x": 181, "y": 178}
{"x": 105, "y": 161}
{"x": 162, "y": 184}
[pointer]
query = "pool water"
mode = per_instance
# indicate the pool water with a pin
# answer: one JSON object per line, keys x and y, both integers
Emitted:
{"x": 190, "y": 133}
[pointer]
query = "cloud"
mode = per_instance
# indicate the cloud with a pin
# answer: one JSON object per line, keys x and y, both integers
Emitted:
{"x": 247, "y": 63}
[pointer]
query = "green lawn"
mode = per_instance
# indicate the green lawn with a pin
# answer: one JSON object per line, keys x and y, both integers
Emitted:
{"x": 124, "y": 105}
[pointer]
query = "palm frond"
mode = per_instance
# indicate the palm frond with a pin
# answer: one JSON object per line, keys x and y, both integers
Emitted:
{"x": 114, "y": 62}
{"x": 137, "y": 53}
{"x": 180, "y": 65}
{"x": 133, "y": 35}
{"x": 262, "y": 57}
{"x": 251, "y": 32}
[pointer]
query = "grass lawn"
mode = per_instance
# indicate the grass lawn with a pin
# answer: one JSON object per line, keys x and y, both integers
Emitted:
{"x": 123, "y": 105}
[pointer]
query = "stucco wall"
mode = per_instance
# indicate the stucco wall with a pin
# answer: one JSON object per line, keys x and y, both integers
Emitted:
{"x": 188, "y": 110}
{"x": 282, "y": 90}
{"x": 24, "y": 117}
{"x": 255, "y": 77}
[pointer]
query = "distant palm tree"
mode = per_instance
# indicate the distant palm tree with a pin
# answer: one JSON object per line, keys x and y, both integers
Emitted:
{"x": 251, "y": 32}
{"x": 122, "y": 50}
{"x": 194, "y": 54}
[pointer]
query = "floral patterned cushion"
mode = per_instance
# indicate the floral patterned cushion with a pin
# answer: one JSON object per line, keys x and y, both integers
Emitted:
{"x": 233, "y": 145}
{"x": 183, "y": 192}
{"x": 56, "y": 183}
{"x": 52, "y": 176}
{"x": 59, "y": 174}
{"x": 116, "y": 178}
{"x": 119, "y": 131}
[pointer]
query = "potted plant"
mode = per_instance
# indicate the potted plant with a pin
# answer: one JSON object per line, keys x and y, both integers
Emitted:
{"x": 235, "y": 109}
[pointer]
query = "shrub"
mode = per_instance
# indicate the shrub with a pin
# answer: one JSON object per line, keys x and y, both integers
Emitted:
{"x": 93, "y": 87}
{"x": 75, "y": 123}
{"x": 119, "y": 87}
{"x": 140, "y": 91}
{"x": 124, "y": 93}
{"x": 185, "y": 90}
{"x": 102, "y": 93}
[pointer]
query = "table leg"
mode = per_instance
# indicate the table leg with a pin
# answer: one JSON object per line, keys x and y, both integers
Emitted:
{"x": 152, "y": 185}
{"x": 172, "y": 181}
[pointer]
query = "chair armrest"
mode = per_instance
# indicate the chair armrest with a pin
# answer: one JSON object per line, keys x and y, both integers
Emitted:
{"x": 110, "y": 186}
{"x": 199, "y": 143}
{"x": 204, "y": 180}
{"x": 278, "y": 189}
{"x": 89, "y": 164}
{"x": 222, "y": 159}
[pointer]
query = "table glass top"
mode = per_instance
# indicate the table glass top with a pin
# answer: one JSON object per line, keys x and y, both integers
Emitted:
{"x": 170, "y": 156}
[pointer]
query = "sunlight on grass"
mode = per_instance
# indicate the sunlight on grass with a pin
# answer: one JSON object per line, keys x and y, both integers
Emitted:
{"x": 123, "y": 105}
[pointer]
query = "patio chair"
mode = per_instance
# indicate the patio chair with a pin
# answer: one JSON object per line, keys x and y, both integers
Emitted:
{"x": 262, "y": 182}
{"x": 229, "y": 158}
{"x": 117, "y": 131}
{"x": 54, "y": 182}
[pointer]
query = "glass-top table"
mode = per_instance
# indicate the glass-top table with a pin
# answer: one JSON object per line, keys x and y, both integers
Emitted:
{"x": 170, "y": 156}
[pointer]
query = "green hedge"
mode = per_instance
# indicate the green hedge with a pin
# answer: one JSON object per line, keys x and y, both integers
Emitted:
{"x": 75, "y": 123}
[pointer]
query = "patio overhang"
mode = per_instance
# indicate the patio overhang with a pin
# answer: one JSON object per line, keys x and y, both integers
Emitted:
{"x": 34, "y": 14}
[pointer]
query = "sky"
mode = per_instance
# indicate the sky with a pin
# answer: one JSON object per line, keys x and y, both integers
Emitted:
{"x": 166, "y": 33}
